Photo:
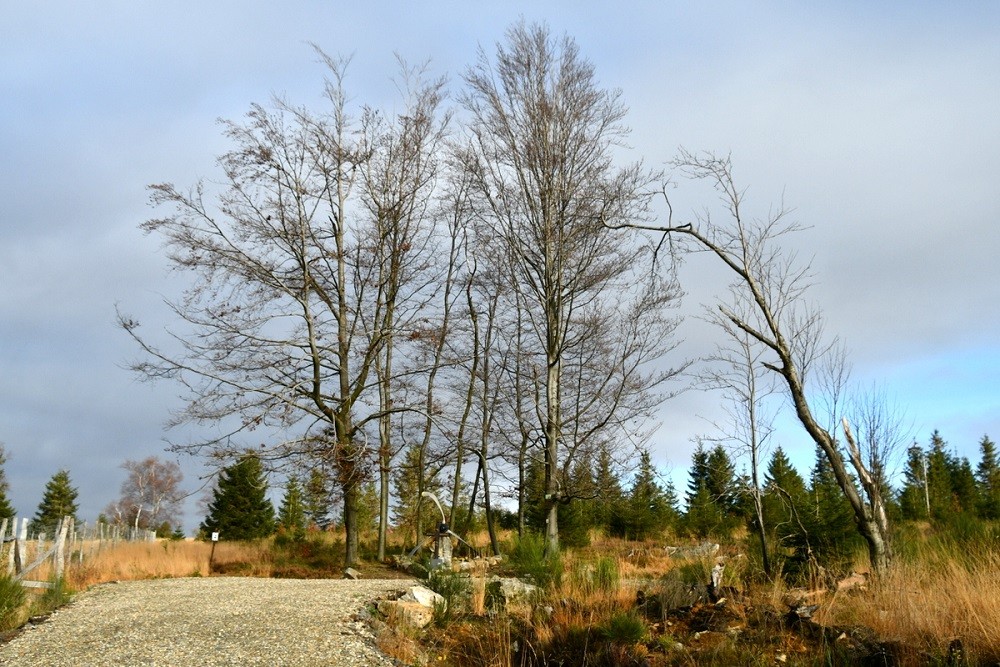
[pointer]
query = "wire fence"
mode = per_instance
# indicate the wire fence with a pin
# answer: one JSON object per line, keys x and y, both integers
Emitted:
{"x": 43, "y": 552}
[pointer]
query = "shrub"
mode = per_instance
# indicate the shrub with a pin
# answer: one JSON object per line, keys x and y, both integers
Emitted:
{"x": 54, "y": 597}
{"x": 454, "y": 588}
{"x": 625, "y": 628}
{"x": 529, "y": 559}
{"x": 11, "y": 601}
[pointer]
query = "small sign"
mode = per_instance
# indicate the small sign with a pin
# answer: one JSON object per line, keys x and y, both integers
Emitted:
{"x": 215, "y": 537}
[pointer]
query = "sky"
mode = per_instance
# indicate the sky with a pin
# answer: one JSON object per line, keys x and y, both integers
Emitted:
{"x": 878, "y": 123}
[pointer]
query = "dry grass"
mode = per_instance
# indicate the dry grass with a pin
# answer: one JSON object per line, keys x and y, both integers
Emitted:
{"x": 163, "y": 559}
{"x": 929, "y": 602}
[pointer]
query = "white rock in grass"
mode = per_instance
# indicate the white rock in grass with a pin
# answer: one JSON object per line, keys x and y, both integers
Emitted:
{"x": 423, "y": 596}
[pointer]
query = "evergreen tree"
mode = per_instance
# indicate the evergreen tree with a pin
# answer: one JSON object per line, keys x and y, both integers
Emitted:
{"x": 988, "y": 477}
{"x": 939, "y": 479}
{"x": 648, "y": 511}
{"x": 292, "y": 514}
{"x": 704, "y": 516}
{"x": 317, "y": 498}
{"x": 572, "y": 523}
{"x": 698, "y": 472}
{"x": 829, "y": 519}
{"x": 721, "y": 481}
{"x": 589, "y": 499}
{"x": 368, "y": 505}
{"x": 7, "y": 510}
{"x": 912, "y": 498}
{"x": 239, "y": 509}
{"x": 784, "y": 495}
{"x": 963, "y": 485}
{"x": 58, "y": 501}
{"x": 608, "y": 506}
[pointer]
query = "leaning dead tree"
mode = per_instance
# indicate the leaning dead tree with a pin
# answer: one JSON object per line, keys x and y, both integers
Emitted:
{"x": 767, "y": 302}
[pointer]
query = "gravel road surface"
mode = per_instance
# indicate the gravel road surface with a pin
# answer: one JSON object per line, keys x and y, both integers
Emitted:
{"x": 208, "y": 621}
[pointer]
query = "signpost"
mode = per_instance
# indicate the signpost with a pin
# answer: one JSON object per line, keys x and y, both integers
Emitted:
{"x": 215, "y": 540}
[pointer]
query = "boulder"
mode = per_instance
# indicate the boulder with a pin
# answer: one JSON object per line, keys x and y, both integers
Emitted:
{"x": 502, "y": 591}
{"x": 422, "y": 596}
{"x": 406, "y": 613}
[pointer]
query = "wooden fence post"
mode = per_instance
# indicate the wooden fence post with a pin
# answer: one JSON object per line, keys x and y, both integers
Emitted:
{"x": 13, "y": 548}
{"x": 21, "y": 556}
{"x": 60, "y": 557}
{"x": 3, "y": 540}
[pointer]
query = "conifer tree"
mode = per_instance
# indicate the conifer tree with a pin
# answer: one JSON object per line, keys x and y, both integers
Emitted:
{"x": 939, "y": 479}
{"x": 704, "y": 516}
{"x": 784, "y": 496}
{"x": 292, "y": 514}
{"x": 988, "y": 477}
{"x": 829, "y": 519}
{"x": 572, "y": 523}
{"x": 913, "y": 500}
{"x": 7, "y": 510}
{"x": 648, "y": 510}
{"x": 317, "y": 499}
{"x": 698, "y": 472}
{"x": 721, "y": 480}
{"x": 58, "y": 501}
{"x": 963, "y": 485}
{"x": 240, "y": 509}
{"x": 608, "y": 484}
{"x": 368, "y": 507}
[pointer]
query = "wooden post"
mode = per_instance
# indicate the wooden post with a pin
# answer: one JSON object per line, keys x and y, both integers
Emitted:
{"x": 13, "y": 548}
{"x": 3, "y": 537}
{"x": 60, "y": 557}
{"x": 20, "y": 557}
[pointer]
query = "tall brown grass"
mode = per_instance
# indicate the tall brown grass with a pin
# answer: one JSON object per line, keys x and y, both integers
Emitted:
{"x": 926, "y": 603}
{"x": 162, "y": 559}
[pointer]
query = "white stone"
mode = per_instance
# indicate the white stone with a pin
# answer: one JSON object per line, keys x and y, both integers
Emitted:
{"x": 423, "y": 596}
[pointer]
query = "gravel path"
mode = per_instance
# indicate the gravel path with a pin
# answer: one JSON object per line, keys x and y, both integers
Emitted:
{"x": 208, "y": 621}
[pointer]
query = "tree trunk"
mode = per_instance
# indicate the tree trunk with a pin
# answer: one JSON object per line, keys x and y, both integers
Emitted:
{"x": 351, "y": 495}
{"x": 490, "y": 528}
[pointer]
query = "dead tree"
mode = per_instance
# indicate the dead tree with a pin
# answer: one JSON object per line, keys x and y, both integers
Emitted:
{"x": 767, "y": 303}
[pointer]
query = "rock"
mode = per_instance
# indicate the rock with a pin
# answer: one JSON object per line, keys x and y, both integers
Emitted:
{"x": 716, "y": 583}
{"x": 803, "y": 611}
{"x": 422, "y": 596}
{"x": 502, "y": 591}
{"x": 406, "y": 613}
{"x": 351, "y": 573}
{"x": 795, "y": 597}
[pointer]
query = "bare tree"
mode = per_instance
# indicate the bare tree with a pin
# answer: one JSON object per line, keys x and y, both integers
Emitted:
{"x": 738, "y": 370}
{"x": 541, "y": 137}
{"x": 398, "y": 178}
{"x": 150, "y": 495}
{"x": 288, "y": 315}
{"x": 769, "y": 306}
